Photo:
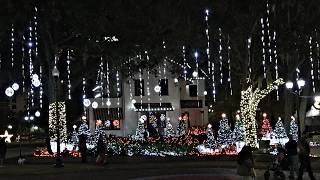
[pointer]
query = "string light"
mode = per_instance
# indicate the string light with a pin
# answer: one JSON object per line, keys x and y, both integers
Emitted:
{"x": 68, "y": 74}
{"x": 197, "y": 70}
{"x": 130, "y": 78}
{"x": 184, "y": 62}
{"x": 35, "y": 30}
{"x": 263, "y": 49}
{"x": 248, "y": 105}
{"x": 249, "y": 59}
{"x": 101, "y": 75}
{"x": 141, "y": 88}
{"x": 229, "y": 67}
{"x": 312, "y": 66}
{"x": 53, "y": 122}
{"x": 12, "y": 46}
{"x": 268, "y": 31}
{"x": 22, "y": 65}
{"x": 220, "y": 55}
{"x": 318, "y": 59}
{"x": 208, "y": 40}
{"x": 30, "y": 45}
{"x": 108, "y": 86}
{"x": 276, "y": 62}
{"x": 41, "y": 88}
{"x": 148, "y": 79}
{"x": 118, "y": 92}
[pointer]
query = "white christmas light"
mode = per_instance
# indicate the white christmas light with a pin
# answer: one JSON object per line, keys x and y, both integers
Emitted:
{"x": 36, "y": 82}
{"x": 31, "y": 118}
{"x": 9, "y": 126}
{"x": 264, "y": 115}
{"x": 26, "y": 118}
{"x": 133, "y": 101}
{"x": 195, "y": 74}
{"x": 9, "y": 92}
{"x": 223, "y": 115}
{"x": 220, "y": 56}
{"x": 94, "y": 105}
{"x": 12, "y": 46}
{"x": 15, "y": 86}
{"x": 238, "y": 116}
{"x": 317, "y": 98}
{"x": 205, "y": 93}
{"x": 37, "y": 113}
{"x": 293, "y": 118}
{"x": 175, "y": 80}
{"x": 74, "y": 126}
{"x": 157, "y": 88}
{"x": 209, "y": 126}
{"x": 108, "y": 102}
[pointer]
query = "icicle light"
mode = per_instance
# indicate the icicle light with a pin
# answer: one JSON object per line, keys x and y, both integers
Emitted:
{"x": 12, "y": 46}
{"x": 22, "y": 65}
{"x": 220, "y": 55}
{"x": 249, "y": 59}
{"x": 196, "y": 55}
{"x": 318, "y": 60}
{"x": 108, "y": 85}
{"x": 130, "y": 80}
{"x": 229, "y": 67}
{"x": 184, "y": 62}
{"x": 118, "y": 92}
{"x": 208, "y": 40}
{"x": 268, "y": 31}
{"x": 141, "y": 88}
{"x": 276, "y": 63}
{"x": 35, "y": 21}
{"x": 312, "y": 66}
{"x": 68, "y": 74}
{"x": 263, "y": 48}
{"x": 41, "y": 88}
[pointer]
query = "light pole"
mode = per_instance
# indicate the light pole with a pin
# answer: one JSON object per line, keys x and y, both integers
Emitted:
{"x": 55, "y": 74}
{"x": 290, "y": 85}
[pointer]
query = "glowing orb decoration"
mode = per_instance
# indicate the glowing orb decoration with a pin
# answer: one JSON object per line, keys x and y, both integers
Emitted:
{"x": 301, "y": 83}
{"x": 98, "y": 122}
{"x": 107, "y": 123}
{"x": 36, "y": 82}
{"x": 84, "y": 117}
{"x": 31, "y": 118}
{"x": 223, "y": 115}
{"x": 94, "y": 105}
{"x": 205, "y": 93}
{"x": 9, "y": 92}
{"x": 175, "y": 80}
{"x": 116, "y": 123}
{"x": 37, "y": 113}
{"x": 141, "y": 120}
{"x": 209, "y": 126}
{"x": 133, "y": 101}
{"x": 237, "y": 116}
{"x": 15, "y": 86}
{"x": 86, "y": 102}
{"x": 317, "y": 98}
{"x": 157, "y": 88}
{"x": 9, "y": 126}
{"x": 108, "y": 103}
{"x": 289, "y": 85}
{"x": 74, "y": 126}
{"x": 35, "y": 77}
{"x": 195, "y": 74}
{"x": 26, "y": 118}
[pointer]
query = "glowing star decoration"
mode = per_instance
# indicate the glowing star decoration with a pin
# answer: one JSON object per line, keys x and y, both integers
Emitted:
{"x": 86, "y": 102}
{"x": 108, "y": 102}
{"x": 157, "y": 88}
{"x": 9, "y": 92}
{"x": 94, "y": 105}
{"x": 15, "y": 86}
{"x": 248, "y": 105}
{"x": 107, "y": 123}
{"x": 7, "y": 136}
{"x": 195, "y": 74}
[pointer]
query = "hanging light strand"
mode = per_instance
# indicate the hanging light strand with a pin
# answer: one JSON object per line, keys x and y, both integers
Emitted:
{"x": 229, "y": 67}
{"x": 141, "y": 88}
{"x": 318, "y": 60}
{"x": 276, "y": 62}
{"x": 41, "y": 88}
{"x": 312, "y": 66}
{"x": 208, "y": 40}
{"x": 220, "y": 55}
{"x": 84, "y": 96}
{"x": 22, "y": 64}
{"x": 12, "y": 46}
{"x": 68, "y": 74}
{"x": 268, "y": 31}
{"x": 263, "y": 48}
{"x": 184, "y": 62}
{"x": 249, "y": 59}
{"x": 36, "y": 30}
{"x": 101, "y": 75}
{"x": 130, "y": 80}
{"x": 108, "y": 85}
{"x": 30, "y": 45}
{"x": 118, "y": 92}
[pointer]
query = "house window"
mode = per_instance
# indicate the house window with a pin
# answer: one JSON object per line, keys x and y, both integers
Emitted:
{"x": 163, "y": 83}
{"x": 139, "y": 87}
{"x": 193, "y": 90}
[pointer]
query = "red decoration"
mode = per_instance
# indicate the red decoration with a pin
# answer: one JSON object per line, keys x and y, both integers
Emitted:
{"x": 266, "y": 127}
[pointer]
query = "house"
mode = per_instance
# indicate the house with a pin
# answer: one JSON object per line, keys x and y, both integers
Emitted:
{"x": 151, "y": 95}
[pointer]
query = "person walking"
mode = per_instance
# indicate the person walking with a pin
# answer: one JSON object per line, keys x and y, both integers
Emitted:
{"x": 3, "y": 150}
{"x": 83, "y": 147}
{"x": 292, "y": 154}
{"x": 245, "y": 164}
{"x": 304, "y": 157}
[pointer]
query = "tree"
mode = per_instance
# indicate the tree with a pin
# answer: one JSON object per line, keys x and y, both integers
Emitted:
{"x": 181, "y": 130}
{"x": 238, "y": 133}
{"x": 279, "y": 131}
{"x": 211, "y": 142}
{"x": 248, "y": 106}
{"x": 139, "y": 135}
{"x": 293, "y": 129}
{"x": 169, "y": 130}
{"x": 224, "y": 132}
{"x": 266, "y": 128}
{"x": 84, "y": 129}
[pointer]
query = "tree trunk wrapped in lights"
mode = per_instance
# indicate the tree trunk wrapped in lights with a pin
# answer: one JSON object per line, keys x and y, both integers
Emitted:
{"x": 248, "y": 105}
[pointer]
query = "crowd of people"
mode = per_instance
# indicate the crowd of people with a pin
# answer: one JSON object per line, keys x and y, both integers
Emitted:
{"x": 295, "y": 155}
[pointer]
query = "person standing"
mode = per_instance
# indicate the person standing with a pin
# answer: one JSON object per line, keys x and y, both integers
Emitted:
{"x": 292, "y": 154}
{"x": 245, "y": 164}
{"x": 304, "y": 157}
{"x": 101, "y": 151}
{"x": 3, "y": 150}
{"x": 83, "y": 147}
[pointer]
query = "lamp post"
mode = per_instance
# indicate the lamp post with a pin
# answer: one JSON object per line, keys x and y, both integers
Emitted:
{"x": 55, "y": 74}
{"x": 290, "y": 85}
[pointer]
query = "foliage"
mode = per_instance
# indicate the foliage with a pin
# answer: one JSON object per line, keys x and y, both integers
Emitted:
{"x": 238, "y": 132}
{"x": 279, "y": 130}
{"x": 224, "y": 132}
{"x": 181, "y": 130}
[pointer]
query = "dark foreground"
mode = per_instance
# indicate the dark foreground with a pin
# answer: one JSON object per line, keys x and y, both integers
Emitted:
{"x": 167, "y": 168}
